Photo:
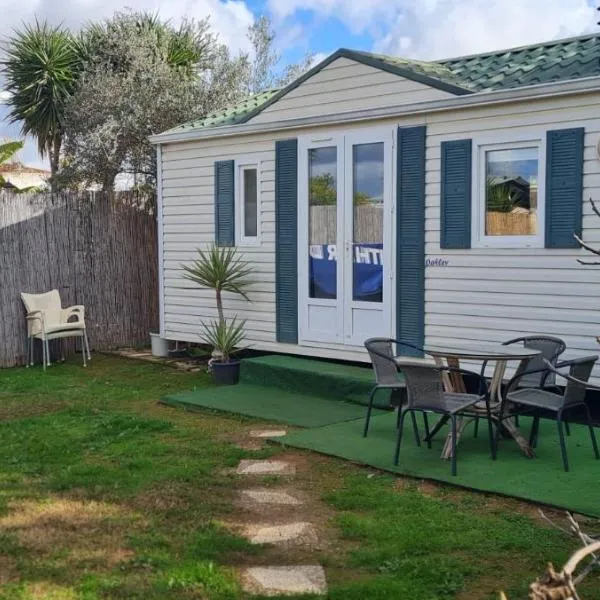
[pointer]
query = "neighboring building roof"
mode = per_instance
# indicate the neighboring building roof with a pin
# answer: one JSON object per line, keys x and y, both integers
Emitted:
{"x": 19, "y": 176}
{"x": 558, "y": 60}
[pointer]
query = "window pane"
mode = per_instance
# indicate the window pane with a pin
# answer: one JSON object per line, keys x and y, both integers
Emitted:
{"x": 322, "y": 222}
{"x": 511, "y": 197}
{"x": 367, "y": 178}
{"x": 250, "y": 203}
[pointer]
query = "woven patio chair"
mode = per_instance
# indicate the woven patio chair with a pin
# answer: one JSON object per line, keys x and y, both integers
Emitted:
{"x": 382, "y": 355}
{"x": 425, "y": 393}
{"x": 545, "y": 404}
{"x": 534, "y": 373}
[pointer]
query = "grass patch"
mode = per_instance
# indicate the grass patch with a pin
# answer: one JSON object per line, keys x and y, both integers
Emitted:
{"x": 105, "y": 494}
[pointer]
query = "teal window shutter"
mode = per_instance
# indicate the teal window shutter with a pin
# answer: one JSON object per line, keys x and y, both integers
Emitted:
{"x": 224, "y": 203}
{"x": 410, "y": 246}
{"x": 455, "y": 194}
{"x": 564, "y": 187}
{"x": 286, "y": 240}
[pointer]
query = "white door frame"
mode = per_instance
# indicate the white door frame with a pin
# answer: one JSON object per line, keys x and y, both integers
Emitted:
{"x": 305, "y": 302}
{"x": 368, "y": 136}
{"x": 341, "y": 327}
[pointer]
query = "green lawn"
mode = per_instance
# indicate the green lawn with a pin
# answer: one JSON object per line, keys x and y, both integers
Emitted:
{"x": 106, "y": 494}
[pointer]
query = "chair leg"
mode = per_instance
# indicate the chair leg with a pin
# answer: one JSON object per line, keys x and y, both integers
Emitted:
{"x": 476, "y": 427}
{"x": 533, "y": 433}
{"x": 369, "y": 411}
{"x": 492, "y": 437}
{"x": 44, "y": 353}
{"x": 413, "y": 418}
{"x": 83, "y": 352}
{"x": 567, "y": 428}
{"x": 426, "y": 424}
{"x": 87, "y": 344}
{"x": 563, "y": 446}
{"x": 592, "y": 432}
{"x": 453, "y": 418}
{"x": 399, "y": 436}
{"x": 48, "y": 352}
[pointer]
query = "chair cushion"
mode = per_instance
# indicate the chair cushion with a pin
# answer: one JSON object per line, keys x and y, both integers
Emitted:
{"x": 537, "y": 398}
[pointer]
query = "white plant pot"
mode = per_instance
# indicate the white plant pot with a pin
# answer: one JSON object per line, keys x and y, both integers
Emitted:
{"x": 160, "y": 346}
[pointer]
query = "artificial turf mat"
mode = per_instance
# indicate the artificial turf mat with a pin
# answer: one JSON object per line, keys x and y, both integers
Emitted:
{"x": 270, "y": 403}
{"x": 325, "y": 379}
{"x": 540, "y": 479}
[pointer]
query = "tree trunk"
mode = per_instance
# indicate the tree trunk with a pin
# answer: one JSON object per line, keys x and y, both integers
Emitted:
{"x": 220, "y": 306}
{"x": 54, "y": 154}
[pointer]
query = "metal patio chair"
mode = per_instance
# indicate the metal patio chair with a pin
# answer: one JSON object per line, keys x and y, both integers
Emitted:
{"x": 533, "y": 373}
{"x": 381, "y": 353}
{"x": 425, "y": 393}
{"x": 543, "y": 403}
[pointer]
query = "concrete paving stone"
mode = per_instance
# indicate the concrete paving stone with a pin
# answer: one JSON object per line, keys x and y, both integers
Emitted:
{"x": 265, "y": 467}
{"x": 282, "y": 581}
{"x": 267, "y": 496}
{"x": 267, "y": 433}
{"x": 297, "y": 534}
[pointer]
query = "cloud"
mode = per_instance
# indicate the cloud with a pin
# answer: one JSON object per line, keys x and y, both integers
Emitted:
{"x": 4, "y": 96}
{"x": 429, "y": 29}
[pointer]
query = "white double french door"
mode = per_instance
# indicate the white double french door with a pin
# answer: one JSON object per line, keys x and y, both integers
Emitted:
{"x": 344, "y": 236}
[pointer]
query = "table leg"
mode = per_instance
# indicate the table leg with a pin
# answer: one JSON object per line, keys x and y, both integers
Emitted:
{"x": 508, "y": 424}
{"x": 457, "y": 385}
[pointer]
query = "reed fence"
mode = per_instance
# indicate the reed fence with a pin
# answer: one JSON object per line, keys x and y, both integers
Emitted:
{"x": 97, "y": 249}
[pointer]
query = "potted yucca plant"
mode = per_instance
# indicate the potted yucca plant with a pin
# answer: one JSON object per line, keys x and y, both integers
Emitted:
{"x": 221, "y": 269}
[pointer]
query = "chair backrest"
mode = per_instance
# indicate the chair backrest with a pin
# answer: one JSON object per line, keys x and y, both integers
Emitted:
{"x": 424, "y": 384}
{"x": 49, "y": 303}
{"x": 579, "y": 371}
{"x": 550, "y": 349}
{"x": 382, "y": 357}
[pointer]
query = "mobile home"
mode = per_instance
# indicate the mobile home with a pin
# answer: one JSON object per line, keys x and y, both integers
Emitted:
{"x": 434, "y": 202}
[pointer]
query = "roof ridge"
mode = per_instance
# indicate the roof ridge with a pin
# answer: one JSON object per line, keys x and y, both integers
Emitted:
{"x": 502, "y": 51}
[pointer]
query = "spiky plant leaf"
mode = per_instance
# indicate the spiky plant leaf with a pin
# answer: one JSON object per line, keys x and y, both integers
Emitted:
{"x": 8, "y": 150}
{"x": 221, "y": 269}
{"x": 224, "y": 336}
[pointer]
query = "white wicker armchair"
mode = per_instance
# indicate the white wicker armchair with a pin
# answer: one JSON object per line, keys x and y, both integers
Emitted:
{"x": 47, "y": 320}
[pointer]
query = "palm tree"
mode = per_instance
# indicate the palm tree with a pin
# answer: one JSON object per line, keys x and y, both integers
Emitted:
{"x": 41, "y": 69}
{"x": 7, "y": 151}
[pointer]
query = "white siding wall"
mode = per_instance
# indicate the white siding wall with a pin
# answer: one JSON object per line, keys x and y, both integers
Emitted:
{"x": 346, "y": 85}
{"x": 483, "y": 294}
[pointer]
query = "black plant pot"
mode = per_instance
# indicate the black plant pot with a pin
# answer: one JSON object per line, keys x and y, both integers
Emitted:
{"x": 226, "y": 373}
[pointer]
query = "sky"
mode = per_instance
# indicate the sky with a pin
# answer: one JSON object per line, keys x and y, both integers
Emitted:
{"x": 421, "y": 29}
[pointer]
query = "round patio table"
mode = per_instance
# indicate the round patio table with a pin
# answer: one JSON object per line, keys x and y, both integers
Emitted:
{"x": 453, "y": 382}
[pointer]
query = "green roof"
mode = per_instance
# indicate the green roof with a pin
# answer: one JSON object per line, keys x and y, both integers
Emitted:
{"x": 231, "y": 115}
{"x": 558, "y": 60}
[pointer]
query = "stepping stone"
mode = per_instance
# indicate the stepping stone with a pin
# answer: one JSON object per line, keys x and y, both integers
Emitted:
{"x": 270, "y": 497}
{"x": 282, "y": 581}
{"x": 301, "y": 534}
{"x": 268, "y": 433}
{"x": 265, "y": 467}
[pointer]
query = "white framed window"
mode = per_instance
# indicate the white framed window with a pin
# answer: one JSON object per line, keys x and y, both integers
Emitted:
{"x": 247, "y": 202}
{"x": 509, "y": 192}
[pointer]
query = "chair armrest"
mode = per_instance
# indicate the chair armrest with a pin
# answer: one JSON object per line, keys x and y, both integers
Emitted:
{"x": 77, "y": 310}
{"x": 569, "y": 377}
{"x": 34, "y": 315}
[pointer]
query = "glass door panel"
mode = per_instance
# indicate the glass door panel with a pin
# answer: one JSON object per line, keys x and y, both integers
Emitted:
{"x": 368, "y": 216}
{"x": 322, "y": 222}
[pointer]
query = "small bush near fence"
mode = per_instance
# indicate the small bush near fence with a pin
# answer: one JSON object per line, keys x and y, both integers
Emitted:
{"x": 97, "y": 249}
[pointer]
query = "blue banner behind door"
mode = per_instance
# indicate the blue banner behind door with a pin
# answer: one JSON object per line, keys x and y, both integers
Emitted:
{"x": 367, "y": 267}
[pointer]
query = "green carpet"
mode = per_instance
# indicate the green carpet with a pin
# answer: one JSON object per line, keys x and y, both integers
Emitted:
{"x": 269, "y": 403}
{"x": 313, "y": 377}
{"x": 541, "y": 479}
